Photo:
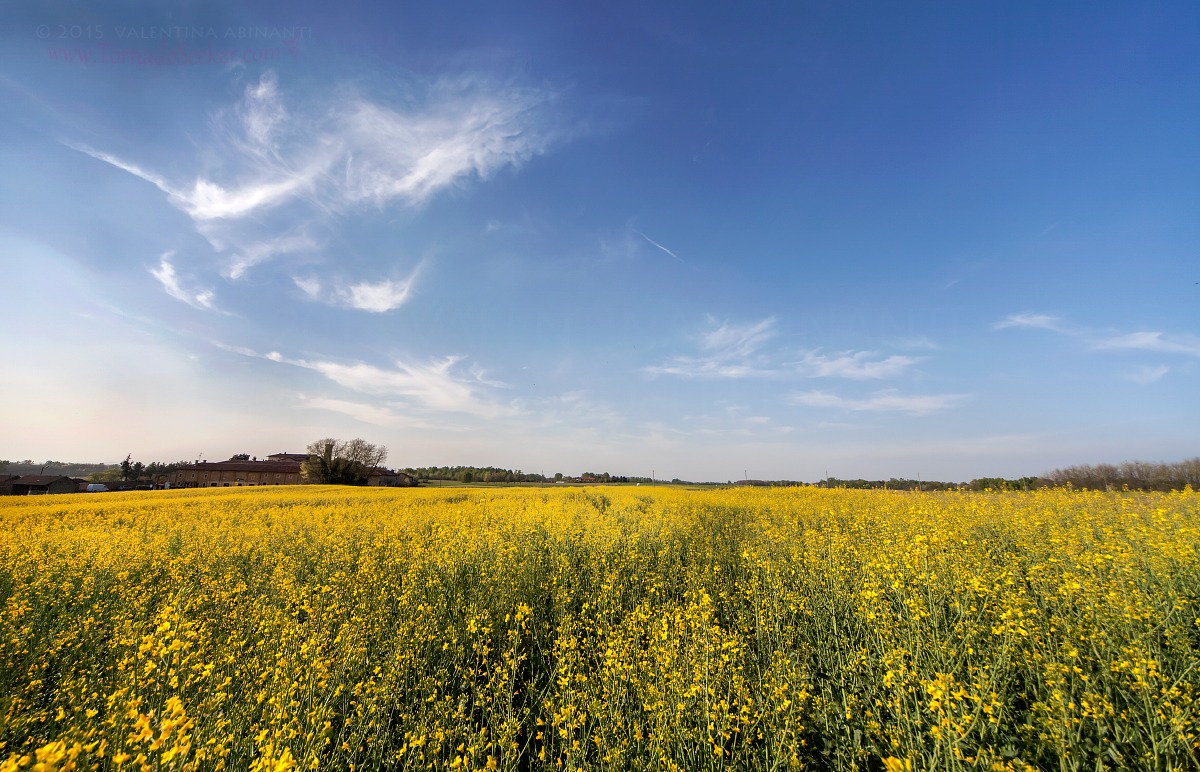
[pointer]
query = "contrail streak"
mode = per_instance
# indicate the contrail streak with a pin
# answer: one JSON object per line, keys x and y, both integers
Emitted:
{"x": 660, "y": 246}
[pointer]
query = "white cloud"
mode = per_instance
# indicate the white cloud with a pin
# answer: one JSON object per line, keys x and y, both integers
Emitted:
{"x": 920, "y": 342}
{"x": 577, "y": 409}
{"x": 211, "y": 201}
{"x": 309, "y": 285}
{"x": 133, "y": 169}
{"x": 171, "y": 282}
{"x": 734, "y": 340}
{"x": 377, "y": 297}
{"x": 373, "y": 414}
{"x": 737, "y": 351}
{"x": 433, "y": 385}
{"x": 1146, "y": 375}
{"x": 282, "y": 166}
{"x": 881, "y": 401}
{"x": 207, "y": 200}
{"x": 1153, "y": 341}
{"x": 1036, "y": 321}
{"x": 730, "y": 351}
{"x": 359, "y": 151}
{"x": 262, "y": 111}
{"x": 1149, "y": 340}
{"x": 252, "y": 254}
{"x": 857, "y": 365}
{"x": 367, "y": 413}
{"x": 465, "y": 127}
{"x": 233, "y": 349}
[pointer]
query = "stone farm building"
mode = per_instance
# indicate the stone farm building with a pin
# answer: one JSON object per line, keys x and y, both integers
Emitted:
{"x": 32, "y": 484}
{"x": 225, "y": 474}
{"x": 277, "y": 469}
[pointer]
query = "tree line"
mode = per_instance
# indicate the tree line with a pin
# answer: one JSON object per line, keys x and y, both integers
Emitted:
{"x": 62, "y": 468}
{"x": 468, "y": 474}
{"x": 1135, "y": 475}
{"x": 349, "y": 462}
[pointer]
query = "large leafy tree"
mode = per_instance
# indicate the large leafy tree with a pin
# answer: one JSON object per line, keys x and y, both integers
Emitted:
{"x": 342, "y": 462}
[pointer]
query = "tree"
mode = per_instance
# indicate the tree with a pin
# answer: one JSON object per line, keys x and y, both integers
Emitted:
{"x": 240, "y": 457}
{"x": 362, "y": 452}
{"x": 126, "y": 467}
{"x": 337, "y": 462}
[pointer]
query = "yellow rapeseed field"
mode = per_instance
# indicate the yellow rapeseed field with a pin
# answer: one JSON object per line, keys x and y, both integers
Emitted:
{"x": 615, "y": 628}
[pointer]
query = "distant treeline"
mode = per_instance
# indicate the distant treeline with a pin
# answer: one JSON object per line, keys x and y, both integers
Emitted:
{"x": 1135, "y": 475}
{"x": 98, "y": 472}
{"x": 484, "y": 474}
{"x": 905, "y": 484}
{"x": 472, "y": 474}
{"x": 132, "y": 470}
{"x": 63, "y": 468}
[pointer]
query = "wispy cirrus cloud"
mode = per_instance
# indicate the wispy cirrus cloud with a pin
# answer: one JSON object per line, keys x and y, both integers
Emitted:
{"x": 378, "y": 297}
{"x": 1029, "y": 320}
{"x": 354, "y": 150}
{"x": 283, "y": 170}
{"x": 730, "y": 350}
{"x": 1158, "y": 342}
{"x": 249, "y": 255}
{"x": 920, "y": 342}
{"x": 435, "y": 385}
{"x": 376, "y": 414}
{"x": 887, "y": 400}
{"x": 1149, "y": 341}
{"x": 856, "y": 365}
{"x": 309, "y": 285}
{"x": 207, "y": 200}
{"x": 262, "y": 112}
{"x": 1146, "y": 375}
{"x": 727, "y": 351}
{"x": 373, "y": 296}
{"x": 170, "y": 280}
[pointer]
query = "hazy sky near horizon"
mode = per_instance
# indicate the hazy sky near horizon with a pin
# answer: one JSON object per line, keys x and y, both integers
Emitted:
{"x": 788, "y": 240}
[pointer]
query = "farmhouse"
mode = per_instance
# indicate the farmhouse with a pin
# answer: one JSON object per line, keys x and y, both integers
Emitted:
{"x": 299, "y": 458}
{"x": 34, "y": 484}
{"x": 388, "y": 479}
{"x": 225, "y": 474}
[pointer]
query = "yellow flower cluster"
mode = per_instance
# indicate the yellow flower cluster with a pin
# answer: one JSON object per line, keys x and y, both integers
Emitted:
{"x": 616, "y": 628}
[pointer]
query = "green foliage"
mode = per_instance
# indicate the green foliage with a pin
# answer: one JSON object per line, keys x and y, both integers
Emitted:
{"x": 342, "y": 462}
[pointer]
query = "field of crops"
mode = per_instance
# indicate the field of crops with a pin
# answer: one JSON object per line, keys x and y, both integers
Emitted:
{"x": 615, "y": 628}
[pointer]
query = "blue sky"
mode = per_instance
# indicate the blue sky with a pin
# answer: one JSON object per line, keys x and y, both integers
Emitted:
{"x": 709, "y": 239}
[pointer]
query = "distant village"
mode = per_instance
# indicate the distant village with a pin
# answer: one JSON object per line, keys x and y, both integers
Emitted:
{"x": 240, "y": 470}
